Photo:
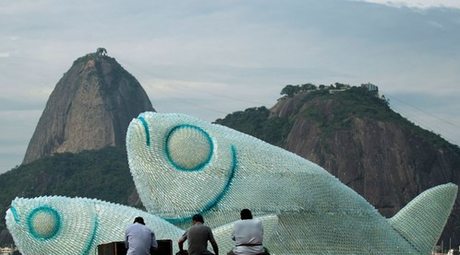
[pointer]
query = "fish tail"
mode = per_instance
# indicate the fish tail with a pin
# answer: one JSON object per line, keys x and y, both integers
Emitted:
{"x": 422, "y": 220}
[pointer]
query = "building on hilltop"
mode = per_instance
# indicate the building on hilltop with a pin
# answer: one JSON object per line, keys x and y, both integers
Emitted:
{"x": 101, "y": 52}
{"x": 371, "y": 88}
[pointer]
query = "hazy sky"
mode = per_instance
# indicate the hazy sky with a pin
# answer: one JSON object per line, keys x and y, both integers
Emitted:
{"x": 211, "y": 58}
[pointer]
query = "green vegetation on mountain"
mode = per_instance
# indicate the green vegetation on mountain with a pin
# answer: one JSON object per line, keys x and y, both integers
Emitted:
{"x": 361, "y": 103}
{"x": 351, "y": 102}
{"x": 102, "y": 174}
{"x": 256, "y": 122}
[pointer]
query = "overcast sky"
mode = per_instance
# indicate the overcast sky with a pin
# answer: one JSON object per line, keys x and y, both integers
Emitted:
{"x": 211, "y": 58}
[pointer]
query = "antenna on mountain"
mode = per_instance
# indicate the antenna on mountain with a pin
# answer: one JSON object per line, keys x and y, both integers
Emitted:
{"x": 101, "y": 52}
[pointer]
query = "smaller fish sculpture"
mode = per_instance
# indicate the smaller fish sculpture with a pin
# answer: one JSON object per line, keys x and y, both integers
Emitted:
{"x": 75, "y": 226}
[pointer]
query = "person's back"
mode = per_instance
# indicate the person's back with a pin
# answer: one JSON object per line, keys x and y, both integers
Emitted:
{"x": 139, "y": 239}
{"x": 197, "y": 237}
{"x": 248, "y": 236}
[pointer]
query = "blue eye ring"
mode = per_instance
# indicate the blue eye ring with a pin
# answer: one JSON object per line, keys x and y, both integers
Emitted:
{"x": 47, "y": 210}
{"x": 198, "y": 167}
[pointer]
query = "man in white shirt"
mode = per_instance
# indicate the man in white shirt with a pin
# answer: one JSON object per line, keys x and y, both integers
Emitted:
{"x": 248, "y": 235}
{"x": 139, "y": 239}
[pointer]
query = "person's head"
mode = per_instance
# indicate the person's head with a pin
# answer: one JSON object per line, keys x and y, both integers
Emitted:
{"x": 139, "y": 220}
{"x": 197, "y": 218}
{"x": 246, "y": 214}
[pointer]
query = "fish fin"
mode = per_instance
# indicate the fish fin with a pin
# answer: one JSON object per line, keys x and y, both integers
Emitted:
{"x": 270, "y": 223}
{"x": 422, "y": 220}
{"x": 222, "y": 234}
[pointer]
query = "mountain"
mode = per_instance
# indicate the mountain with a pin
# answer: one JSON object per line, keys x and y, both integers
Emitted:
{"x": 90, "y": 108}
{"x": 354, "y": 134}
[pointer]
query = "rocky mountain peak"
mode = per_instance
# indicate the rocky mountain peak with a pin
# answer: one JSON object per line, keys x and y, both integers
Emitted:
{"x": 358, "y": 138}
{"x": 90, "y": 108}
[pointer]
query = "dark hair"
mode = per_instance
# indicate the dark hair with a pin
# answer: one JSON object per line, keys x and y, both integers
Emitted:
{"x": 246, "y": 214}
{"x": 139, "y": 220}
{"x": 198, "y": 217}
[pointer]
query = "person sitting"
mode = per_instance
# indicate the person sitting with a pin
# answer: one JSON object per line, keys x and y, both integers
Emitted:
{"x": 248, "y": 235}
{"x": 198, "y": 236}
{"x": 139, "y": 239}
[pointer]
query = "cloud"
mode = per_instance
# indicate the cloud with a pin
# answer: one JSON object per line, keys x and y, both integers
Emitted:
{"x": 16, "y": 127}
{"x": 425, "y": 4}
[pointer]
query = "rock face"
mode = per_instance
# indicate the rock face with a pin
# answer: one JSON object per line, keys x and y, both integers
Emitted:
{"x": 90, "y": 108}
{"x": 385, "y": 160}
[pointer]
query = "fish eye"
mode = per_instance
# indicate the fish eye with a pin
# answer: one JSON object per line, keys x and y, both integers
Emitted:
{"x": 44, "y": 223}
{"x": 188, "y": 147}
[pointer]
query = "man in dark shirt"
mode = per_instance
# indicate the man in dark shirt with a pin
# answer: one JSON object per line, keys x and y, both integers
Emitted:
{"x": 198, "y": 236}
{"x": 139, "y": 239}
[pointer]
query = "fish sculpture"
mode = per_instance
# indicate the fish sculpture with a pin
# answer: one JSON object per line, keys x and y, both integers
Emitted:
{"x": 75, "y": 226}
{"x": 182, "y": 165}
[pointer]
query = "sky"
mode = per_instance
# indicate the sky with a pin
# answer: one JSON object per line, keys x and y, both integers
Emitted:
{"x": 211, "y": 58}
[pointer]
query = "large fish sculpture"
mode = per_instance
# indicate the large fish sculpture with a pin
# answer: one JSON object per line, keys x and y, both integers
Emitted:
{"x": 182, "y": 165}
{"x": 75, "y": 226}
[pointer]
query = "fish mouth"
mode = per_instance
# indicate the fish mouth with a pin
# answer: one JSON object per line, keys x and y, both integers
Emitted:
{"x": 11, "y": 212}
{"x": 146, "y": 130}
{"x": 12, "y": 221}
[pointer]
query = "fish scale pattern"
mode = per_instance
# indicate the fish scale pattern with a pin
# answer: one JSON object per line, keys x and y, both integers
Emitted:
{"x": 75, "y": 226}
{"x": 317, "y": 213}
